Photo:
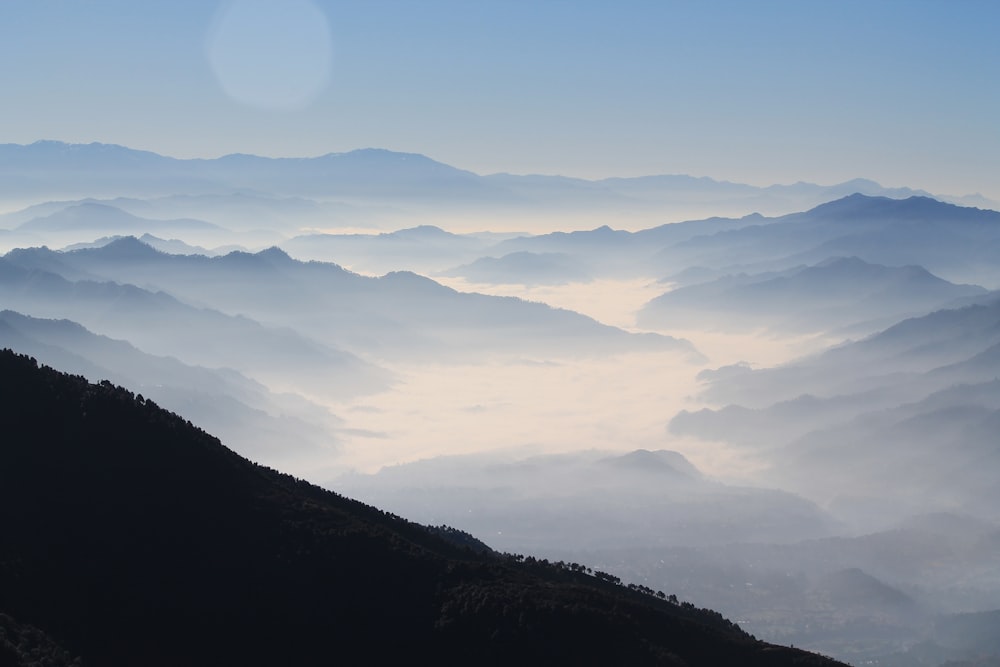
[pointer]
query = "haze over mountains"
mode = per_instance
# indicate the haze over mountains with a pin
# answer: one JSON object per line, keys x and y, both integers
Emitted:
{"x": 839, "y": 293}
{"x": 789, "y": 413}
{"x": 132, "y": 537}
{"x": 923, "y": 395}
{"x": 396, "y": 313}
{"x": 373, "y": 187}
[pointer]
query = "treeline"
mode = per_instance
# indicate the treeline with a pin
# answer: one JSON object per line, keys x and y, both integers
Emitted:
{"x": 131, "y": 537}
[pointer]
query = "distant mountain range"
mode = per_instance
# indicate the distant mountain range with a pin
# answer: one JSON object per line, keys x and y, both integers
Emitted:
{"x": 131, "y": 537}
{"x": 950, "y": 241}
{"x": 101, "y": 217}
{"x": 368, "y": 180}
{"x": 839, "y": 294}
{"x": 258, "y": 296}
{"x": 957, "y": 243}
{"x": 32, "y": 282}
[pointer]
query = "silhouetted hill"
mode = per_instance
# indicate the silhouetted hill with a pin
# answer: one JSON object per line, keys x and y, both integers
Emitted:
{"x": 959, "y": 243}
{"x": 169, "y": 246}
{"x": 132, "y": 538}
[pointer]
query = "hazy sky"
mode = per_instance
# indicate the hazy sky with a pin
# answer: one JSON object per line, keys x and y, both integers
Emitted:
{"x": 902, "y": 92}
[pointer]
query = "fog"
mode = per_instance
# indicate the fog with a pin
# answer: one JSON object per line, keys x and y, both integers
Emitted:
{"x": 790, "y": 418}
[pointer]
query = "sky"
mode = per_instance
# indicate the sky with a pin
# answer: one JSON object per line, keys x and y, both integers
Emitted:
{"x": 902, "y": 92}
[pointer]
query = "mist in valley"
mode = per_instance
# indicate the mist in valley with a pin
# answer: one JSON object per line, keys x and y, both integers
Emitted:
{"x": 723, "y": 409}
{"x": 702, "y": 297}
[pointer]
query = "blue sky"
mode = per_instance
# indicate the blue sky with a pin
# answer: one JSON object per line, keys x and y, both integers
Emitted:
{"x": 904, "y": 92}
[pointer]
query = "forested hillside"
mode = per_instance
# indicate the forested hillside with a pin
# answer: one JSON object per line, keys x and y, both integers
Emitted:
{"x": 133, "y": 538}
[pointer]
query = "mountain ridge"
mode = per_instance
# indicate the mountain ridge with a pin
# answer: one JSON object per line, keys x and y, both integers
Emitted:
{"x": 372, "y": 164}
{"x": 210, "y": 550}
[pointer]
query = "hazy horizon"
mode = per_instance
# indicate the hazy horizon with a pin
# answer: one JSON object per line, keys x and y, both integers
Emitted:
{"x": 759, "y": 94}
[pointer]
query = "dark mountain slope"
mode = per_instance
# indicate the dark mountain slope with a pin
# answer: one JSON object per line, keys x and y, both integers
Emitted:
{"x": 243, "y": 413}
{"x": 130, "y": 537}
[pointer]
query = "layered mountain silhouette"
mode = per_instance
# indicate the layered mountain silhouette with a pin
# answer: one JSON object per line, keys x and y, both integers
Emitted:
{"x": 366, "y": 184}
{"x": 92, "y": 217}
{"x": 98, "y": 168}
{"x": 158, "y": 323}
{"x": 244, "y": 413}
{"x": 424, "y": 249}
{"x": 838, "y": 293}
{"x": 131, "y": 537}
{"x": 956, "y": 243}
{"x": 397, "y": 314}
{"x": 230, "y": 291}
{"x": 914, "y": 408}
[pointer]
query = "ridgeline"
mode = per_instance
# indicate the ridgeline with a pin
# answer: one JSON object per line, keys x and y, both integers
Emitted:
{"x": 131, "y": 537}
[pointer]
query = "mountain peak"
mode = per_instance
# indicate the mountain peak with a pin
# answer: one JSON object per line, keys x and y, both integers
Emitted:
{"x": 275, "y": 254}
{"x": 421, "y": 232}
{"x": 124, "y": 247}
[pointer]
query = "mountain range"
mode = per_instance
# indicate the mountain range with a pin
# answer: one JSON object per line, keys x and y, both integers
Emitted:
{"x": 298, "y": 309}
{"x": 954, "y": 242}
{"x": 399, "y": 313}
{"x": 837, "y": 294}
{"x": 369, "y": 180}
{"x": 131, "y": 537}
{"x": 914, "y": 408}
